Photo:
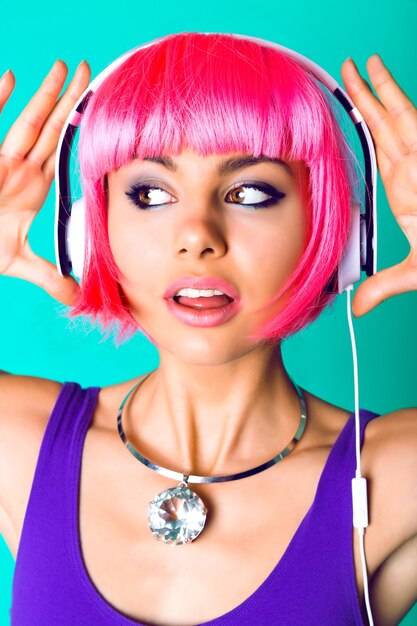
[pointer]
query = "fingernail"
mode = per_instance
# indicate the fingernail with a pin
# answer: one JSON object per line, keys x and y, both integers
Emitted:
{"x": 352, "y": 63}
{"x": 6, "y": 72}
{"x": 80, "y": 64}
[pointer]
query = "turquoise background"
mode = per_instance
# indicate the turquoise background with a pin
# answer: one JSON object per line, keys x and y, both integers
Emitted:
{"x": 37, "y": 340}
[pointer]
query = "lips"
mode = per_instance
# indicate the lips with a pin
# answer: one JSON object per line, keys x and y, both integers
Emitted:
{"x": 202, "y": 282}
{"x": 203, "y": 311}
{"x": 203, "y": 318}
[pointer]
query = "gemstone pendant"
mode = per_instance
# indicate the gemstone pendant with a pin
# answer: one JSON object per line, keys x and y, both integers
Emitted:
{"x": 177, "y": 515}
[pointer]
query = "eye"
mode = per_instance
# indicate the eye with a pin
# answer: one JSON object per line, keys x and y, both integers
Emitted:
{"x": 255, "y": 195}
{"x": 147, "y": 196}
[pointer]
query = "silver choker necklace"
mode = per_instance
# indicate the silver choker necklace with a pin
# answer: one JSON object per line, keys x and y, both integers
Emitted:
{"x": 177, "y": 515}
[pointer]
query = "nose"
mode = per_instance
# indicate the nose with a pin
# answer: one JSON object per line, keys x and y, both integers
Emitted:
{"x": 200, "y": 235}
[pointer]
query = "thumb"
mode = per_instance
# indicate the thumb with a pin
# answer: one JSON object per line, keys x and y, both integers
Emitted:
{"x": 35, "y": 269}
{"x": 388, "y": 282}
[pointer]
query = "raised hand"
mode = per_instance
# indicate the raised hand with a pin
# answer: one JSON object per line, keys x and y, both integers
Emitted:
{"x": 392, "y": 120}
{"x": 27, "y": 159}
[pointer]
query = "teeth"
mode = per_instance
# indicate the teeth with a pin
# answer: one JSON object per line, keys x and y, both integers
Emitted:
{"x": 198, "y": 293}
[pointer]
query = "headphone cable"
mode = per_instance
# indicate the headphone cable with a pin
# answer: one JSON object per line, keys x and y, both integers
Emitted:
{"x": 359, "y": 491}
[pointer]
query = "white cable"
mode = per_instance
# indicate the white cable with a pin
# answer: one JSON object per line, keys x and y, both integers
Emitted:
{"x": 359, "y": 492}
{"x": 355, "y": 381}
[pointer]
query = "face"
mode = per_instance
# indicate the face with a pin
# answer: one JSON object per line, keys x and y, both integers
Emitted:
{"x": 227, "y": 216}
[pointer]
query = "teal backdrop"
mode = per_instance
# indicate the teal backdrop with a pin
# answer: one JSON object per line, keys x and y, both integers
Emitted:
{"x": 35, "y": 337}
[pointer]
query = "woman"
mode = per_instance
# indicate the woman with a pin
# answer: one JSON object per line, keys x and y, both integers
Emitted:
{"x": 171, "y": 194}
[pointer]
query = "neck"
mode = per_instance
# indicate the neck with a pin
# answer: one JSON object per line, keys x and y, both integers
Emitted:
{"x": 220, "y": 419}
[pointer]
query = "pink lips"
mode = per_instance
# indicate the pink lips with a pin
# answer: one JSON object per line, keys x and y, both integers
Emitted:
{"x": 202, "y": 317}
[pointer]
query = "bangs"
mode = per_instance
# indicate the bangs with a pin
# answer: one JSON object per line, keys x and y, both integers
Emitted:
{"x": 211, "y": 93}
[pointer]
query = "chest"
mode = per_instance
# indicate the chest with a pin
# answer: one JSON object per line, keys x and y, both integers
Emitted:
{"x": 251, "y": 525}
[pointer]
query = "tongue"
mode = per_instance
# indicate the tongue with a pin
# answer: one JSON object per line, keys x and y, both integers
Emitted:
{"x": 204, "y": 303}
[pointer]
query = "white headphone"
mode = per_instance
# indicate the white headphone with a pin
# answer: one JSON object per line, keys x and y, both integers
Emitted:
{"x": 360, "y": 249}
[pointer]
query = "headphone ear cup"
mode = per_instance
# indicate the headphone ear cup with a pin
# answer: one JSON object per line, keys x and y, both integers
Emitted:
{"x": 349, "y": 270}
{"x": 76, "y": 237}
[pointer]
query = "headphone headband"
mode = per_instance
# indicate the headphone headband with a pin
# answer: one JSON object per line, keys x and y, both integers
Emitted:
{"x": 366, "y": 230}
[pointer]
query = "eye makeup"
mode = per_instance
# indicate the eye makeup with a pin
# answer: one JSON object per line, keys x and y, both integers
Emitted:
{"x": 275, "y": 196}
{"x": 137, "y": 194}
{"x": 138, "y": 191}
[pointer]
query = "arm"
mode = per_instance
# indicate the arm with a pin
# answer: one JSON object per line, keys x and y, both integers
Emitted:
{"x": 391, "y": 537}
{"x": 26, "y": 403}
{"x": 27, "y": 158}
{"x": 391, "y": 441}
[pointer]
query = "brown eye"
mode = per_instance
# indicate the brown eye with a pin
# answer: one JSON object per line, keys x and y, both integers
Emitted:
{"x": 145, "y": 196}
{"x": 148, "y": 196}
{"x": 254, "y": 195}
{"x": 237, "y": 194}
{"x": 153, "y": 196}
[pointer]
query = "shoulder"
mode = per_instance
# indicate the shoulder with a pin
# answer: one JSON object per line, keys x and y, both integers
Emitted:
{"x": 26, "y": 403}
{"x": 388, "y": 462}
{"x": 390, "y": 445}
{"x": 13, "y": 387}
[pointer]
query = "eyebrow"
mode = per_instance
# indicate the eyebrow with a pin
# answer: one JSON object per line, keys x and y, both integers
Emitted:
{"x": 226, "y": 167}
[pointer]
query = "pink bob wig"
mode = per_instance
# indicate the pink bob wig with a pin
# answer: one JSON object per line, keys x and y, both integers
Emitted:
{"x": 216, "y": 93}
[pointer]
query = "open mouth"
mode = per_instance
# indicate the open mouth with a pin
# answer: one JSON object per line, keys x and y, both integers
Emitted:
{"x": 203, "y": 311}
{"x": 212, "y": 302}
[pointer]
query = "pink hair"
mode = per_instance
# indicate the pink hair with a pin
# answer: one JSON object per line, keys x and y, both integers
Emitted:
{"x": 216, "y": 94}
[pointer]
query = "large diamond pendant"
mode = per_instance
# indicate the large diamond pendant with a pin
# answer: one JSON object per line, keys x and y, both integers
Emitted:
{"x": 177, "y": 515}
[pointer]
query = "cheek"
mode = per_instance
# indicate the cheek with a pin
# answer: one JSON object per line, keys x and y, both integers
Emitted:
{"x": 130, "y": 246}
{"x": 123, "y": 232}
{"x": 276, "y": 254}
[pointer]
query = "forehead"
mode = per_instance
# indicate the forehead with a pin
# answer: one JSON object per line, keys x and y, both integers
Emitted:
{"x": 223, "y": 164}
{"x": 190, "y": 162}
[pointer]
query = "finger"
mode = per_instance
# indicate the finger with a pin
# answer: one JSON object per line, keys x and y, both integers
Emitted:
{"x": 376, "y": 117}
{"x": 7, "y": 83}
{"x": 389, "y": 282}
{"x": 395, "y": 101}
{"x": 24, "y": 132}
{"x": 49, "y": 168}
{"x": 49, "y": 136}
{"x": 3, "y": 173}
{"x": 33, "y": 268}
{"x": 383, "y": 162}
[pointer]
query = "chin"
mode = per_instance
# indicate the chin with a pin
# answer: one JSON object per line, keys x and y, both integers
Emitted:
{"x": 206, "y": 351}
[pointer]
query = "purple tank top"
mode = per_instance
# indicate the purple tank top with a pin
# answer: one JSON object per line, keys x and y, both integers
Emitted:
{"x": 313, "y": 583}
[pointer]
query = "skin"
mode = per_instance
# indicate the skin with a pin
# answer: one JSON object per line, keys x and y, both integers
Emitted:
{"x": 200, "y": 231}
{"x": 186, "y": 388}
{"x": 200, "y": 234}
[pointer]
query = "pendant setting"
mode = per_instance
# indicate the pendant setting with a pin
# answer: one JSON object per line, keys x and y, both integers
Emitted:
{"x": 177, "y": 515}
